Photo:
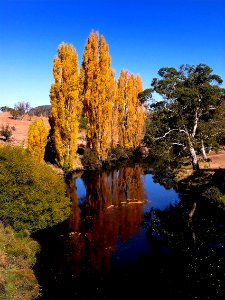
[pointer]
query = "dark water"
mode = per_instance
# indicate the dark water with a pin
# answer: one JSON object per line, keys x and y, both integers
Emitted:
{"x": 130, "y": 237}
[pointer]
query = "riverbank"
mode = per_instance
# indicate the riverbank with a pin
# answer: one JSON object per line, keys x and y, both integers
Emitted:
{"x": 216, "y": 161}
{"x": 19, "y": 138}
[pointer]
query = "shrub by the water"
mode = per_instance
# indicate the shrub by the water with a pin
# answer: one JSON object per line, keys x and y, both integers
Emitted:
{"x": 90, "y": 159}
{"x": 32, "y": 195}
{"x": 17, "y": 256}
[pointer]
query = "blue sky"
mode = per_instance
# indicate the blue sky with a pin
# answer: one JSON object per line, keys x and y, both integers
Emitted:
{"x": 142, "y": 35}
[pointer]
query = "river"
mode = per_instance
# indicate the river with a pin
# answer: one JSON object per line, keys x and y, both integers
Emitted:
{"x": 129, "y": 237}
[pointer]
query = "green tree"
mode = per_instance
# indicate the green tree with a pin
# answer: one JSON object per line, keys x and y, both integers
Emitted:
{"x": 66, "y": 105}
{"x": 189, "y": 94}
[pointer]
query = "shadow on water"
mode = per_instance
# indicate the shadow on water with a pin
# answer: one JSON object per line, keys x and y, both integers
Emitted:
{"x": 131, "y": 235}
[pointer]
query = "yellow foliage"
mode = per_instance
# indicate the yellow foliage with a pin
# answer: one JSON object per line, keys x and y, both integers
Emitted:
{"x": 66, "y": 105}
{"x": 37, "y": 139}
{"x": 132, "y": 114}
{"x": 98, "y": 89}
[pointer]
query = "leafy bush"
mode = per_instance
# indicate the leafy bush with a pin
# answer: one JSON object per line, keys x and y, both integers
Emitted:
{"x": 17, "y": 256}
{"x": 32, "y": 195}
{"x": 6, "y": 131}
{"x": 90, "y": 159}
{"x": 121, "y": 153}
{"x": 213, "y": 194}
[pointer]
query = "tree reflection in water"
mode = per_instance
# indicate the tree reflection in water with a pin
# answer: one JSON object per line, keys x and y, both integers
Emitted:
{"x": 117, "y": 244}
{"x": 112, "y": 208}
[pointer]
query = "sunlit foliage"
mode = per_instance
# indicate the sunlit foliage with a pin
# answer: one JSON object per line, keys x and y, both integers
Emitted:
{"x": 98, "y": 91}
{"x": 32, "y": 195}
{"x": 37, "y": 139}
{"x": 132, "y": 114}
{"x": 66, "y": 105}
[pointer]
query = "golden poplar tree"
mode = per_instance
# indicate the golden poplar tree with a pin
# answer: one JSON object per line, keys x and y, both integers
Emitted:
{"x": 37, "y": 139}
{"x": 122, "y": 107}
{"x": 88, "y": 74}
{"x": 132, "y": 114}
{"x": 66, "y": 105}
{"x": 97, "y": 80}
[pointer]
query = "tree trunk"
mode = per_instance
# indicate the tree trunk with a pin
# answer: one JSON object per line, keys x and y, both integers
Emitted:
{"x": 204, "y": 156}
{"x": 194, "y": 159}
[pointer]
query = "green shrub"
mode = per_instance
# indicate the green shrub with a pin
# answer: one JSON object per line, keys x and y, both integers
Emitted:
{"x": 212, "y": 194}
{"x": 90, "y": 159}
{"x": 32, "y": 195}
{"x": 121, "y": 153}
{"x": 17, "y": 256}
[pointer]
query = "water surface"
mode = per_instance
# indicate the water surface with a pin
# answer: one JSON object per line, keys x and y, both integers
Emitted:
{"x": 129, "y": 236}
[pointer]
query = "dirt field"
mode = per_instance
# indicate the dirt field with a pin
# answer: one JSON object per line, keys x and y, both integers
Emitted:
{"x": 19, "y": 136}
{"x": 218, "y": 160}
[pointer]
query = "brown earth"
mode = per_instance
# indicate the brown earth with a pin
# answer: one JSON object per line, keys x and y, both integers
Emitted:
{"x": 19, "y": 137}
{"x": 218, "y": 160}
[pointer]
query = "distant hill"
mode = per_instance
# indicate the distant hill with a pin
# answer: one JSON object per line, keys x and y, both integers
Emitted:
{"x": 43, "y": 110}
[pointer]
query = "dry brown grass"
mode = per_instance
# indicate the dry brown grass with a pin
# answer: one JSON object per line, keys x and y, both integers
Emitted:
{"x": 19, "y": 136}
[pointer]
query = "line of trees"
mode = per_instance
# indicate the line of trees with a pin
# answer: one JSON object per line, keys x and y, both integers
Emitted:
{"x": 190, "y": 117}
{"x": 114, "y": 113}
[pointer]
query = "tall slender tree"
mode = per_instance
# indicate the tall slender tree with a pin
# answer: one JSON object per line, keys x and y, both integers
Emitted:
{"x": 97, "y": 80}
{"x": 66, "y": 105}
{"x": 132, "y": 113}
{"x": 88, "y": 83}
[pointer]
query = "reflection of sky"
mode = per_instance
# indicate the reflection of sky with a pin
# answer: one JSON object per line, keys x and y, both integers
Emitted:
{"x": 158, "y": 196}
{"x": 81, "y": 191}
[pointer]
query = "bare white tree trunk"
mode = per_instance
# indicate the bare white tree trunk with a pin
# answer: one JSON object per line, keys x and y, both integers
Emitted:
{"x": 194, "y": 158}
{"x": 204, "y": 156}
